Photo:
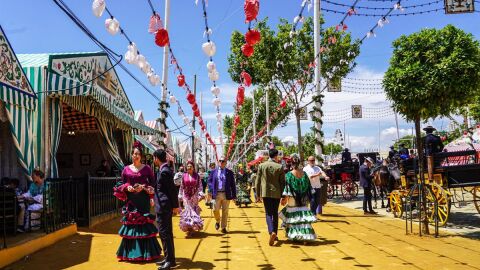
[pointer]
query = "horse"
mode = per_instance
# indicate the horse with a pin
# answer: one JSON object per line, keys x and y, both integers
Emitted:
{"x": 381, "y": 176}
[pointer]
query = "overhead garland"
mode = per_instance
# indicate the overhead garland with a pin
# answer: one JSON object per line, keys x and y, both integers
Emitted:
{"x": 252, "y": 37}
{"x": 209, "y": 48}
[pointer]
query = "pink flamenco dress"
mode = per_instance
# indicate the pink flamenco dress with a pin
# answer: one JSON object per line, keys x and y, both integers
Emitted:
{"x": 138, "y": 232}
{"x": 191, "y": 193}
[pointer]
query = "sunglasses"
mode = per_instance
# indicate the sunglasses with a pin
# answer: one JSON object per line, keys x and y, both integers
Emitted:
{"x": 311, "y": 160}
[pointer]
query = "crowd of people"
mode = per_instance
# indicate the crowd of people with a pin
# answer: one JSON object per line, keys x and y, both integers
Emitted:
{"x": 297, "y": 188}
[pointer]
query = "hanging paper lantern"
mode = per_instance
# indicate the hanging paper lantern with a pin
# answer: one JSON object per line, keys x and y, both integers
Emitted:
{"x": 194, "y": 106}
{"x": 141, "y": 61}
{"x": 219, "y": 117}
{"x": 153, "y": 78}
{"x": 161, "y": 38}
{"x": 147, "y": 67}
{"x": 214, "y": 75}
{"x": 191, "y": 98}
{"x": 211, "y": 66}
{"x": 240, "y": 95}
{"x": 247, "y": 79}
{"x": 283, "y": 104}
{"x": 209, "y": 48}
{"x": 112, "y": 25}
{"x": 98, "y": 7}
{"x": 131, "y": 54}
{"x": 173, "y": 100}
{"x": 253, "y": 36}
{"x": 251, "y": 8}
{"x": 155, "y": 23}
{"x": 215, "y": 90}
{"x": 236, "y": 120}
{"x": 186, "y": 120}
{"x": 181, "y": 80}
{"x": 216, "y": 102}
{"x": 247, "y": 50}
{"x": 200, "y": 121}
{"x": 196, "y": 113}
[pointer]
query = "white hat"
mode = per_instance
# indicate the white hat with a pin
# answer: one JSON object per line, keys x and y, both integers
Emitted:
{"x": 369, "y": 159}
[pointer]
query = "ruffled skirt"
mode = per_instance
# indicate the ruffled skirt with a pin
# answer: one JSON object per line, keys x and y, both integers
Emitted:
{"x": 297, "y": 221}
{"x": 190, "y": 220}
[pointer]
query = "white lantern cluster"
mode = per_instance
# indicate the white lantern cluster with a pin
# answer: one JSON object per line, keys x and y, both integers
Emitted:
{"x": 98, "y": 7}
{"x": 112, "y": 25}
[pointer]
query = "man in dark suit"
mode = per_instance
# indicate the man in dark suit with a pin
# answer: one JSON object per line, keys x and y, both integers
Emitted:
{"x": 269, "y": 186}
{"x": 433, "y": 143}
{"x": 403, "y": 150}
{"x": 366, "y": 183}
{"x": 221, "y": 187}
{"x": 166, "y": 204}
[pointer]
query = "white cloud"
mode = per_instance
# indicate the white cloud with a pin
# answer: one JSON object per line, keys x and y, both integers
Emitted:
{"x": 391, "y": 133}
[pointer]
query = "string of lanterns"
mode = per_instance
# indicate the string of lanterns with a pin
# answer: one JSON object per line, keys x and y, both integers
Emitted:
{"x": 380, "y": 23}
{"x": 209, "y": 48}
{"x": 395, "y": 15}
{"x": 383, "y": 8}
{"x": 252, "y": 37}
{"x": 162, "y": 40}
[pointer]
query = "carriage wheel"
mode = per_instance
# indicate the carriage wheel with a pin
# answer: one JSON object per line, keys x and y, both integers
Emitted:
{"x": 476, "y": 198}
{"x": 348, "y": 190}
{"x": 436, "y": 192}
{"x": 330, "y": 191}
{"x": 396, "y": 205}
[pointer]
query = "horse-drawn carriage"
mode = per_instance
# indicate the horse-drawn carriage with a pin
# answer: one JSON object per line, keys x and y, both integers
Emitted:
{"x": 343, "y": 177}
{"x": 451, "y": 178}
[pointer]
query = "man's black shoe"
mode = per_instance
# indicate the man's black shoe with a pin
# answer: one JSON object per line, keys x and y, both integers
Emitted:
{"x": 167, "y": 266}
{"x": 224, "y": 230}
{"x": 161, "y": 262}
{"x": 217, "y": 226}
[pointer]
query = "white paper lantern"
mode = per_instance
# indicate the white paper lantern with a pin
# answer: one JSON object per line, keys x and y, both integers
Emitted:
{"x": 146, "y": 68}
{"x": 215, "y": 90}
{"x": 216, "y": 101}
{"x": 211, "y": 66}
{"x": 219, "y": 117}
{"x": 130, "y": 57}
{"x": 209, "y": 48}
{"x": 173, "y": 100}
{"x": 112, "y": 25}
{"x": 214, "y": 75}
{"x": 98, "y": 7}
{"x": 141, "y": 61}
{"x": 153, "y": 78}
{"x": 207, "y": 32}
{"x": 186, "y": 120}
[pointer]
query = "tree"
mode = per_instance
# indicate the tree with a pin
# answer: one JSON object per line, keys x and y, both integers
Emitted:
{"x": 285, "y": 60}
{"x": 407, "y": 140}
{"x": 432, "y": 73}
{"x": 333, "y": 149}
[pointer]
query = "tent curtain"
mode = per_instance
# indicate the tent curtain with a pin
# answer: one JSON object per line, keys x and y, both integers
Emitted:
{"x": 106, "y": 129}
{"x": 56, "y": 118}
{"x": 128, "y": 144}
{"x": 20, "y": 121}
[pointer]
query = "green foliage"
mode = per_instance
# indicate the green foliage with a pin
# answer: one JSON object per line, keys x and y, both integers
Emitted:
{"x": 407, "y": 140}
{"x": 433, "y": 72}
{"x": 333, "y": 149}
{"x": 288, "y": 68}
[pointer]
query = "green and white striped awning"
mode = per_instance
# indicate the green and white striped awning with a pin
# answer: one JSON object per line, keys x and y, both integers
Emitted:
{"x": 146, "y": 143}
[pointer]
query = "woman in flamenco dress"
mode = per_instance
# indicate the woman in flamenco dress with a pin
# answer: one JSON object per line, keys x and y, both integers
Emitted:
{"x": 191, "y": 194}
{"x": 138, "y": 232}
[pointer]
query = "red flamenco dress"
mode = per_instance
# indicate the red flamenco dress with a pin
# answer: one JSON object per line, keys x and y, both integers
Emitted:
{"x": 138, "y": 232}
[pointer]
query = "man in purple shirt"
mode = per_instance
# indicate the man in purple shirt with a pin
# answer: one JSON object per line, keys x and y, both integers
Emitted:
{"x": 221, "y": 187}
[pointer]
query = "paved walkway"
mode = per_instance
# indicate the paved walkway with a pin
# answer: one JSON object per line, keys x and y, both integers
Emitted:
{"x": 346, "y": 240}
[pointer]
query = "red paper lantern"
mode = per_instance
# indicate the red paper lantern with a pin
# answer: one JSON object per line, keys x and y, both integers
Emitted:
{"x": 247, "y": 79}
{"x": 283, "y": 104}
{"x": 251, "y": 8}
{"x": 181, "y": 80}
{"x": 196, "y": 113}
{"x": 253, "y": 36}
{"x": 240, "y": 95}
{"x": 194, "y": 106}
{"x": 191, "y": 98}
{"x": 201, "y": 122}
{"x": 236, "y": 122}
{"x": 247, "y": 50}
{"x": 161, "y": 38}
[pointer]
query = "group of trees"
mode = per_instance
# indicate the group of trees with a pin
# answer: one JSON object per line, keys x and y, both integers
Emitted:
{"x": 283, "y": 64}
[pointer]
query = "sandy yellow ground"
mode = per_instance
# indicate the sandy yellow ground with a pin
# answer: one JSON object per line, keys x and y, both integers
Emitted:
{"x": 346, "y": 240}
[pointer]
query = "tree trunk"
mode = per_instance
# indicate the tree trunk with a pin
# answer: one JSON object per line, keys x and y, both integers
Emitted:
{"x": 465, "y": 120}
{"x": 421, "y": 158}
{"x": 299, "y": 134}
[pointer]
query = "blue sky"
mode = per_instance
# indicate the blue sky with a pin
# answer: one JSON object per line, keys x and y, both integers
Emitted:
{"x": 34, "y": 26}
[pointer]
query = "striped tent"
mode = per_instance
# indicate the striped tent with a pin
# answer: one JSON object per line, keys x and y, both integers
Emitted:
{"x": 88, "y": 83}
{"x": 19, "y": 100}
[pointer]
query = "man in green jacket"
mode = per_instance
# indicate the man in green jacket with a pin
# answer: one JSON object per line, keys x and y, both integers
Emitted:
{"x": 269, "y": 186}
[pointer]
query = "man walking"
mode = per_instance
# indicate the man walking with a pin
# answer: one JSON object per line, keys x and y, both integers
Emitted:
{"x": 269, "y": 186}
{"x": 221, "y": 187}
{"x": 166, "y": 204}
{"x": 366, "y": 183}
{"x": 314, "y": 173}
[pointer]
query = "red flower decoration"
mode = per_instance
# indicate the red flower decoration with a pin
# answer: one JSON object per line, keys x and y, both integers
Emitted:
{"x": 283, "y": 104}
{"x": 196, "y": 113}
{"x": 247, "y": 79}
{"x": 194, "y": 106}
{"x": 252, "y": 37}
{"x": 247, "y": 50}
{"x": 240, "y": 95}
{"x": 181, "y": 80}
{"x": 251, "y": 8}
{"x": 191, "y": 98}
{"x": 161, "y": 38}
